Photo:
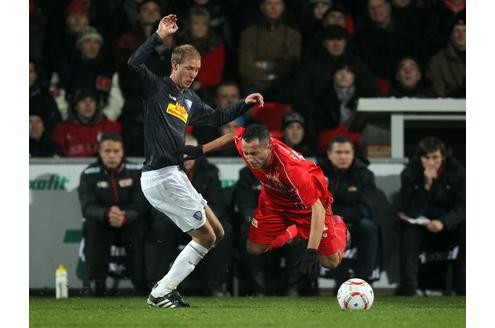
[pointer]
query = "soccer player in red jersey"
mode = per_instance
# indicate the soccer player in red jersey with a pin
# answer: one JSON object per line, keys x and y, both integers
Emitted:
{"x": 294, "y": 200}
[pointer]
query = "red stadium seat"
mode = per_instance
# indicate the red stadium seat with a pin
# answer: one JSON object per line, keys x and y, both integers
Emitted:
{"x": 324, "y": 138}
{"x": 271, "y": 115}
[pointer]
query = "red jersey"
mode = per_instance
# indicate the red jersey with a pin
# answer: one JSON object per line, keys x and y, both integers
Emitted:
{"x": 291, "y": 182}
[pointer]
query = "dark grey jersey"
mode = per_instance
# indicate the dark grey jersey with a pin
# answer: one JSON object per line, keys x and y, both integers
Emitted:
{"x": 167, "y": 111}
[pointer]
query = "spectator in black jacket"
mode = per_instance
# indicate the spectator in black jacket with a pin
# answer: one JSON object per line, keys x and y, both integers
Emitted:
{"x": 432, "y": 185}
{"x": 113, "y": 209}
{"x": 204, "y": 176}
{"x": 40, "y": 143}
{"x": 353, "y": 188}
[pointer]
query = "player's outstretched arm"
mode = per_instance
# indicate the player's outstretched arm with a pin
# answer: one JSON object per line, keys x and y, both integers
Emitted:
{"x": 220, "y": 143}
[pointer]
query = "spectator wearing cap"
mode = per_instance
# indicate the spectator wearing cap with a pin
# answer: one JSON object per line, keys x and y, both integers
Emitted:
{"x": 447, "y": 69}
{"x": 40, "y": 99}
{"x": 269, "y": 53}
{"x": 78, "y": 134}
{"x": 315, "y": 74}
{"x": 40, "y": 143}
{"x": 294, "y": 134}
{"x": 409, "y": 81}
{"x": 62, "y": 41}
{"x": 382, "y": 39}
{"x": 87, "y": 69}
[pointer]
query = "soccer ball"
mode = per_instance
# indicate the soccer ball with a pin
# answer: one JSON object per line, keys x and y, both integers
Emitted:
{"x": 355, "y": 294}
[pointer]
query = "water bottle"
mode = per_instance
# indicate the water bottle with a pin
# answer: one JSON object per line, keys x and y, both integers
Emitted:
{"x": 61, "y": 283}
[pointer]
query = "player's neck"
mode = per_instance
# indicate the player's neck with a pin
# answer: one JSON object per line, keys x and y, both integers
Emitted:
{"x": 174, "y": 79}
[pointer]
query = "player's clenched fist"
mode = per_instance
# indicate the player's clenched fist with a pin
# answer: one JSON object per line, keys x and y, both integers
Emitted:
{"x": 167, "y": 26}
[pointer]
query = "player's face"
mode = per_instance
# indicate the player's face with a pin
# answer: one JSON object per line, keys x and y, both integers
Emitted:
{"x": 341, "y": 155}
{"x": 111, "y": 153}
{"x": 432, "y": 160}
{"x": 186, "y": 71}
{"x": 257, "y": 154}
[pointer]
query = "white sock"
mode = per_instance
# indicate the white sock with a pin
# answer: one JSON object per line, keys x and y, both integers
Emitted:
{"x": 183, "y": 265}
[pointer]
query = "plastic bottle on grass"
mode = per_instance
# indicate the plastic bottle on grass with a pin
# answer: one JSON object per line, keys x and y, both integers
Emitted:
{"x": 61, "y": 283}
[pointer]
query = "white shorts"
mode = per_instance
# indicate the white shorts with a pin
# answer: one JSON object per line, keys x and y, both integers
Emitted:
{"x": 169, "y": 190}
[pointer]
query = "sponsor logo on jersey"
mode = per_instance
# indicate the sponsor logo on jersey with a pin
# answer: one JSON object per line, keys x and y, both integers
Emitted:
{"x": 178, "y": 110}
{"x": 125, "y": 183}
{"x": 198, "y": 216}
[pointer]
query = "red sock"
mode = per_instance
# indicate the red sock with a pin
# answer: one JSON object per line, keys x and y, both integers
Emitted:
{"x": 289, "y": 234}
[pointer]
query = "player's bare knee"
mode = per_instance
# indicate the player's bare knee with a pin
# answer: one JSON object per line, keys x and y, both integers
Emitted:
{"x": 330, "y": 261}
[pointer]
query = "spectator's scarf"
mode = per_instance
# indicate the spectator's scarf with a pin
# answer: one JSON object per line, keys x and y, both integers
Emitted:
{"x": 344, "y": 96}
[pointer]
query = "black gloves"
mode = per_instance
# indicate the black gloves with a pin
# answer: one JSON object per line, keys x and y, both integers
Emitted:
{"x": 308, "y": 264}
{"x": 192, "y": 152}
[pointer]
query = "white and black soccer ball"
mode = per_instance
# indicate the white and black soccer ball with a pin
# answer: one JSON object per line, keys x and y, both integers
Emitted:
{"x": 355, "y": 294}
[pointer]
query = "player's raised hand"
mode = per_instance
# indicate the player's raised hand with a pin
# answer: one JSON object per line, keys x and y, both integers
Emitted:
{"x": 254, "y": 99}
{"x": 167, "y": 26}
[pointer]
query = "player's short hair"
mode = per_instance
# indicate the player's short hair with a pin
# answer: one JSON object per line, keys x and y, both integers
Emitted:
{"x": 184, "y": 51}
{"x": 339, "y": 139}
{"x": 429, "y": 145}
{"x": 113, "y": 136}
{"x": 257, "y": 131}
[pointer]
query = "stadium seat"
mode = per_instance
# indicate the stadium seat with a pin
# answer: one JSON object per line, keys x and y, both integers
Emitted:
{"x": 272, "y": 115}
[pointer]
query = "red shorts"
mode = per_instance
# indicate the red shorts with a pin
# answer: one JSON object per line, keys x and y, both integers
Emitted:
{"x": 269, "y": 224}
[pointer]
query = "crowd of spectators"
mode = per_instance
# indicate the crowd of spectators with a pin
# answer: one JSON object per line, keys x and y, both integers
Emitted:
{"x": 317, "y": 56}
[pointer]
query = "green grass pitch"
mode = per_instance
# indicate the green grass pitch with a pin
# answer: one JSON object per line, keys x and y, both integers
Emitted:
{"x": 247, "y": 312}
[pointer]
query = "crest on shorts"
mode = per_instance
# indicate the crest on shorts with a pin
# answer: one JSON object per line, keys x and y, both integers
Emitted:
{"x": 198, "y": 216}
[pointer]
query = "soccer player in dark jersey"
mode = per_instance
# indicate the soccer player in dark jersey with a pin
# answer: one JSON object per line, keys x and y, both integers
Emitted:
{"x": 294, "y": 200}
{"x": 170, "y": 106}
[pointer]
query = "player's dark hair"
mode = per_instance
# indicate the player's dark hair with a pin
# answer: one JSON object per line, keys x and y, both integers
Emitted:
{"x": 429, "y": 145}
{"x": 339, "y": 139}
{"x": 257, "y": 131}
{"x": 113, "y": 136}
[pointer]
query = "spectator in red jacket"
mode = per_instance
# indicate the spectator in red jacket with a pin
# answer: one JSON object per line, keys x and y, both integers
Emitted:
{"x": 78, "y": 135}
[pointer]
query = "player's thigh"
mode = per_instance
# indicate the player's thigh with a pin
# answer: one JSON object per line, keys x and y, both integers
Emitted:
{"x": 256, "y": 249}
{"x": 265, "y": 226}
{"x": 170, "y": 191}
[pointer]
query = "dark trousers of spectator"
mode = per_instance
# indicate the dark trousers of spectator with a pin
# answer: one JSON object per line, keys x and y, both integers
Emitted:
{"x": 98, "y": 239}
{"x": 413, "y": 240}
{"x": 162, "y": 248}
{"x": 364, "y": 235}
